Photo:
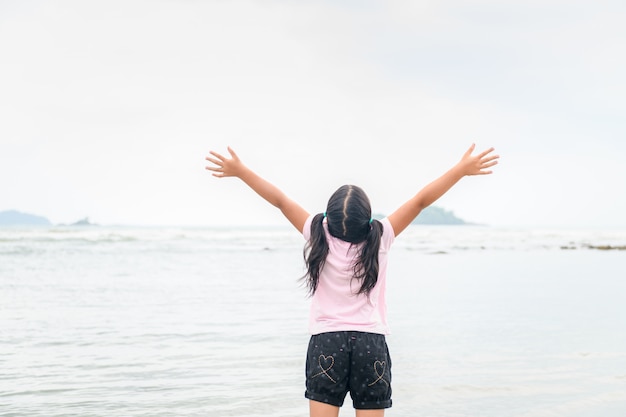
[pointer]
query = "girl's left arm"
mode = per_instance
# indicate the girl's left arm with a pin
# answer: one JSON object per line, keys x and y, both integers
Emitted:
{"x": 468, "y": 165}
{"x": 233, "y": 167}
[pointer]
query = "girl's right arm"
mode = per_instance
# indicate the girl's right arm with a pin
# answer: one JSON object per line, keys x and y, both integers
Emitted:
{"x": 468, "y": 165}
{"x": 233, "y": 167}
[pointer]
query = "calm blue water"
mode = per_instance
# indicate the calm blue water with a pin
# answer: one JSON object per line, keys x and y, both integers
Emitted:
{"x": 192, "y": 322}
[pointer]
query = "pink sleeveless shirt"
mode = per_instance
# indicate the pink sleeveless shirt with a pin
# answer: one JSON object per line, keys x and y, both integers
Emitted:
{"x": 335, "y": 306}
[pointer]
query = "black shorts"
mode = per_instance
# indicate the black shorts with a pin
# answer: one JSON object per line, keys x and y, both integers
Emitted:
{"x": 355, "y": 362}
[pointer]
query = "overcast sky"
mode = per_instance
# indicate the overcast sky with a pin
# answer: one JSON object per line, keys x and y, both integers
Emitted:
{"x": 108, "y": 108}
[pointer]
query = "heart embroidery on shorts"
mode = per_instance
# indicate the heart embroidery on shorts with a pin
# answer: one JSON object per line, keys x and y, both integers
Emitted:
{"x": 325, "y": 363}
{"x": 379, "y": 372}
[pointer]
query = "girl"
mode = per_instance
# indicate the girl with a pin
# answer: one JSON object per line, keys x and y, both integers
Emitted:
{"x": 346, "y": 260}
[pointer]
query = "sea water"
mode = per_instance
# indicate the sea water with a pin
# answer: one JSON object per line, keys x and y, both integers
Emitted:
{"x": 121, "y": 321}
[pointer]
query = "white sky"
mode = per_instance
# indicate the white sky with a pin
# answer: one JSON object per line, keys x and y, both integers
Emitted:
{"x": 107, "y": 108}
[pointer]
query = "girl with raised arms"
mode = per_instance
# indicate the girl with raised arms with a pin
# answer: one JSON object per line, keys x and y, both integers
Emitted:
{"x": 346, "y": 260}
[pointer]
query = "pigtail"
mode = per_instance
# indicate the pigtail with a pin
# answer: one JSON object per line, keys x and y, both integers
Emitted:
{"x": 366, "y": 267}
{"x": 315, "y": 252}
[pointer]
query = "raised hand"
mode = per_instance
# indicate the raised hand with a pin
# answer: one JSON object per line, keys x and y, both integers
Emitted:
{"x": 478, "y": 164}
{"x": 225, "y": 167}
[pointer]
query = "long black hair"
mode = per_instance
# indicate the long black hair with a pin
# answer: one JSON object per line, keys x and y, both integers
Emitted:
{"x": 349, "y": 218}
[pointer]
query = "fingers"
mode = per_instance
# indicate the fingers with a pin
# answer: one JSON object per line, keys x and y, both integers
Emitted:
{"x": 482, "y": 169}
{"x": 217, "y": 155}
{"x": 218, "y": 169}
{"x": 217, "y": 172}
{"x": 485, "y": 153}
{"x": 490, "y": 158}
{"x": 215, "y": 161}
{"x": 221, "y": 157}
{"x": 489, "y": 162}
{"x": 470, "y": 150}
{"x": 232, "y": 153}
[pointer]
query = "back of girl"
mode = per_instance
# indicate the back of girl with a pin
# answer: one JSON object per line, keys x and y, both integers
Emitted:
{"x": 346, "y": 273}
{"x": 346, "y": 258}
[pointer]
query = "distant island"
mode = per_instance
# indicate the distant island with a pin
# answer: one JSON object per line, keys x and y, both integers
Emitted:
{"x": 18, "y": 218}
{"x": 434, "y": 215}
{"x": 81, "y": 222}
{"x": 437, "y": 215}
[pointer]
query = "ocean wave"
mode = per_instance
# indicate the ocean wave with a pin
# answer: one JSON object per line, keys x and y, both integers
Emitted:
{"x": 431, "y": 239}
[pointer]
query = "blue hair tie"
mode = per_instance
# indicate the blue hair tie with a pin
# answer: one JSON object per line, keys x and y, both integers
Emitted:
{"x": 324, "y": 214}
{"x": 371, "y": 220}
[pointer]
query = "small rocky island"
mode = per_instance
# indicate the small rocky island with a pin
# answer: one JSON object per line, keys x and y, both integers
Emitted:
{"x": 437, "y": 215}
{"x": 83, "y": 222}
